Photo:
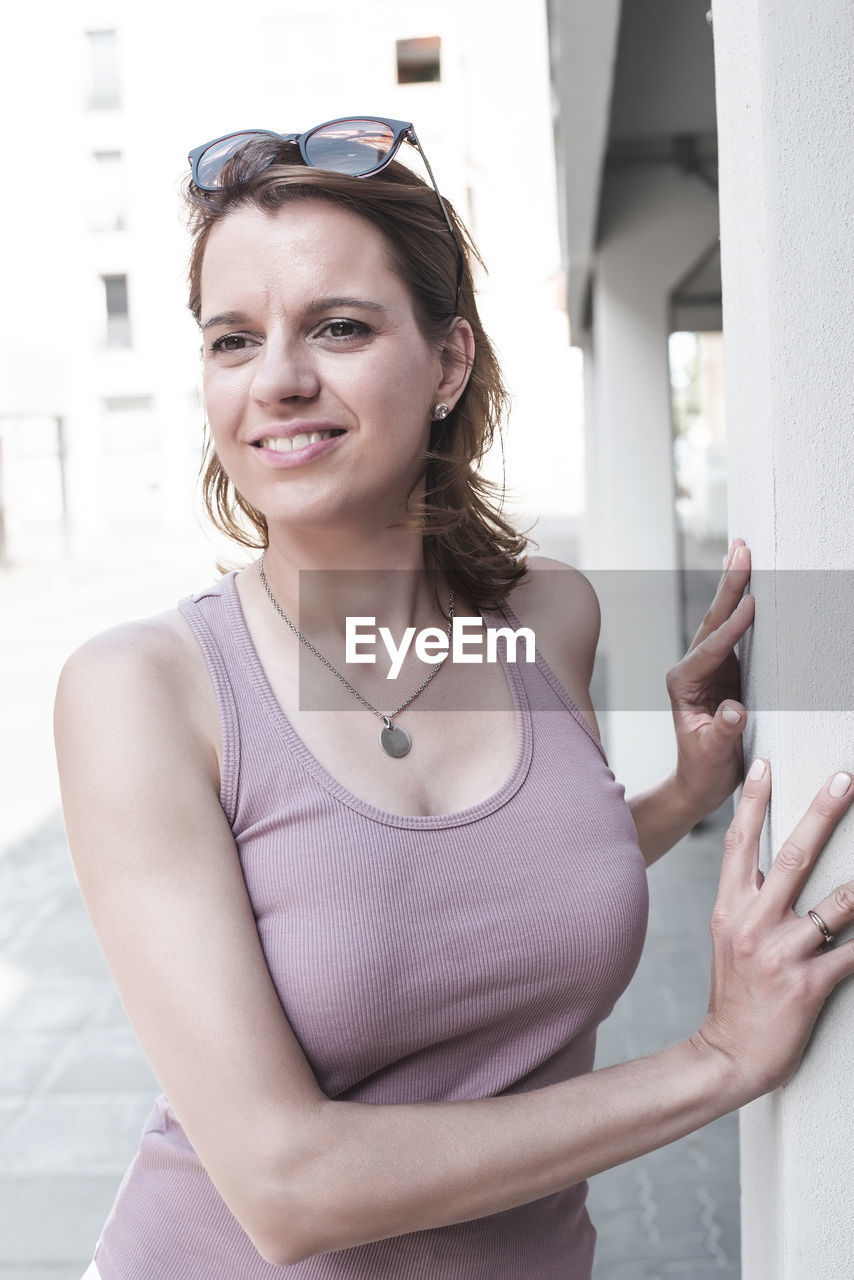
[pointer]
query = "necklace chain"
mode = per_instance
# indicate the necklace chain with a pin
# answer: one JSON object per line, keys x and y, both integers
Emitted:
{"x": 387, "y": 719}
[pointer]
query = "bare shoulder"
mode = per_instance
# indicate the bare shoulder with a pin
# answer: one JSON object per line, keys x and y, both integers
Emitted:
{"x": 148, "y": 673}
{"x": 559, "y": 601}
{"x": 161, "y": 644}
{"x": 560, "y": 604}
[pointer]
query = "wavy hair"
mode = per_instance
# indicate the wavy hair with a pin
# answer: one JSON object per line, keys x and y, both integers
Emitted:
{"x": 465, "y": 534}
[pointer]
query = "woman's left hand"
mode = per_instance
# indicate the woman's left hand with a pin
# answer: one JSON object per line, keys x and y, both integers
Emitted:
{"x": 705, "y": 688}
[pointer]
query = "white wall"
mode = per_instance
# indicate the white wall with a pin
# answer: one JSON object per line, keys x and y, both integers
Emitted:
{"x": 785, "y": 88}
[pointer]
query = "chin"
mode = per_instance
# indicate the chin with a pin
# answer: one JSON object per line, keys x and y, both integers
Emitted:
{"x": 319, "y": 516}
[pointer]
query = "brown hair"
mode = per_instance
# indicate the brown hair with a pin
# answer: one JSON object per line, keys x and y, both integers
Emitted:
{"x": 465, "y": 535}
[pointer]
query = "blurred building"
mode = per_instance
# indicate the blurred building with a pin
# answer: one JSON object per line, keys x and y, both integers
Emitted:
{"x": 100, "y": 413}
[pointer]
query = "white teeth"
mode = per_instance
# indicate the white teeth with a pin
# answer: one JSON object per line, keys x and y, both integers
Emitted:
{"x": 286, "y": 444}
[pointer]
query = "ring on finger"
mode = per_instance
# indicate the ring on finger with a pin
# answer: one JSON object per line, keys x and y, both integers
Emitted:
{"x": 821, "y": 926}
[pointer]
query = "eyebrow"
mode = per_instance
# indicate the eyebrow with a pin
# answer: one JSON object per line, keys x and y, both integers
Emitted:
{"x": 226, "y": 317}
{"x": 314, "y": 308}
{"x": 325, "y": 304}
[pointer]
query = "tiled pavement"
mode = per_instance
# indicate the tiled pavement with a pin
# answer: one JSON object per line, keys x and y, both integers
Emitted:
{"x": 674, "y": 1212}
{"x": 74, "y": 1087}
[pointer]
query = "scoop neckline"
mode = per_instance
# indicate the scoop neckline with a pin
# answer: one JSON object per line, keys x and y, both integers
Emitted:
{"x": 524, "y": 734}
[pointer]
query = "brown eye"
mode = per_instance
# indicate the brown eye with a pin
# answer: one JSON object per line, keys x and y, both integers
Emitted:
{"x": 231, "y": 342}
{"x": 344, "y": 331}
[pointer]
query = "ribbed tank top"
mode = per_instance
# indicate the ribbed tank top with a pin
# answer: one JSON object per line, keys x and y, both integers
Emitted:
{"x": 417, "y": 958}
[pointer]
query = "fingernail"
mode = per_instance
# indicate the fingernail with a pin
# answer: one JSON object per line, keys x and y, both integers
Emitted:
{"x": 740, "y": 557}
{"x": 757, "y": 769}
{"x": 840, "y": 784}
{"x": 730, "y": 715}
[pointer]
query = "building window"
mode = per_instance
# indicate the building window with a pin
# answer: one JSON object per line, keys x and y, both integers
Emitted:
{"x": 107, "y": 204}
{"x": 104, "y": 85}
{"x": 118, "y": 315}
{"x": 418, "y": 60}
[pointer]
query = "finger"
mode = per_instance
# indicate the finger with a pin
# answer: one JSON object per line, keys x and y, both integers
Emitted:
{"x": 730, "y": 719}
{"x": 738, "y": 545}
{"x": 733, "y": 547}
{"x": 836, "y": 964}
{"x": 706, "y": 655}
{"x": 741, "y": 842}
{"x": 731, "y": 584}
{"x": 735, "y": 566}
{"x": 835, "y": 912}
{"x": 726, "y": 728}
{"x": 799, "y": 852}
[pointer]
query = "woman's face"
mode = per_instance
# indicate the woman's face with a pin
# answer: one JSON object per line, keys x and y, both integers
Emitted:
{"x": 308, "y": 330}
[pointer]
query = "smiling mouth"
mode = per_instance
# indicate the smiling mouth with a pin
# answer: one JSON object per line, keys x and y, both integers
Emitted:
{"x": 287, "y": 444}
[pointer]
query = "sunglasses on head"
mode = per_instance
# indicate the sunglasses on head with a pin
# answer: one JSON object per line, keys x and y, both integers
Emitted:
{"x": 354, "y": 145}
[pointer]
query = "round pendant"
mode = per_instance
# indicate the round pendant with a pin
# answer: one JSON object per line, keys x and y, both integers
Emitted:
{"x": 395, "y": 741}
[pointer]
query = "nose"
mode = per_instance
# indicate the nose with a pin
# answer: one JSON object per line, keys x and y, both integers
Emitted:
{"x": 285, "y": 371}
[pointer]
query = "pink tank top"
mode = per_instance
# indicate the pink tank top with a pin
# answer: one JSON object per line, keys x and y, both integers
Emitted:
{"x": 416, "y": 958}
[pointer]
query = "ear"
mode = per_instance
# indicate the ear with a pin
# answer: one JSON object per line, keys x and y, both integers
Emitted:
{"x": 456, "y": 357}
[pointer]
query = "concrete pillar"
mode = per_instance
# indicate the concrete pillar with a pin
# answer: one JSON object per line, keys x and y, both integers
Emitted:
{"x": 656, "y": 224}
{"x": 785, "y": 92}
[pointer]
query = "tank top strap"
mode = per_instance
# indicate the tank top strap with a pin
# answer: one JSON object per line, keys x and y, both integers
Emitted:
{"x": 545, "y": 690}
{"x": 205, "y": 612}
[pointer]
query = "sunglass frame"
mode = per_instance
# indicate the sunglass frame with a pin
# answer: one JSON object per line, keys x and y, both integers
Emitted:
{"x": 402, "y": 130}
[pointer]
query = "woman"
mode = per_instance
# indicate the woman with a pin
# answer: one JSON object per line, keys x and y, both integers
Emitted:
{"x": 368, "y": 973}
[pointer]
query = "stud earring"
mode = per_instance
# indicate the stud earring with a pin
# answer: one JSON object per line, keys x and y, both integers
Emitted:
{"x": 440, "y": 411}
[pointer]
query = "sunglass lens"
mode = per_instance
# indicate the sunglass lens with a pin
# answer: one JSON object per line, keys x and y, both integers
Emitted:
{"x": 352, "y": 146}
{"x": 212, "y": 161}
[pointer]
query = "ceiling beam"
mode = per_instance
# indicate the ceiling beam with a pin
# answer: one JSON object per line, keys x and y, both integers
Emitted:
{"x": 583, "y": 49}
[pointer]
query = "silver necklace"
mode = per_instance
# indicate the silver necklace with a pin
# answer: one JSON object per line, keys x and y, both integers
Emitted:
{"x": 394, "y": 741}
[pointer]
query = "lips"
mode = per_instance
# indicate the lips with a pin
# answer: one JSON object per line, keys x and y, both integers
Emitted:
{"x": 281, "y": 435}
{"x": 296, "y": 444}
{"x": 287, "y": 444}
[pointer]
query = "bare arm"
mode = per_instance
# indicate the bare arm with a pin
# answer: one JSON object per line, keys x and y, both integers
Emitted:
{"x": 388, "y": 1170}
{"x": 662, "y": 815}
{"x": 160, "y": 876}
{"x": 303, "y": 1174}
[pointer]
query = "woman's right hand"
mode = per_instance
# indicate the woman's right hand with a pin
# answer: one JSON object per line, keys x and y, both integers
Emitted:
{"x": 772, "y": 972}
